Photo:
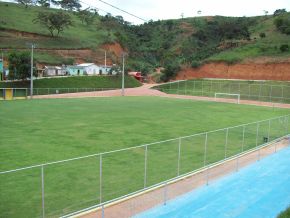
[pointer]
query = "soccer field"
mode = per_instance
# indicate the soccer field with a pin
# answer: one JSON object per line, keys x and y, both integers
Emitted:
{"x": 41, "y": 131}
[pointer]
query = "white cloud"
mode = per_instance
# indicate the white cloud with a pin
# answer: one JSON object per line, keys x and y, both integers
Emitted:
{"x": 165, "y": 9}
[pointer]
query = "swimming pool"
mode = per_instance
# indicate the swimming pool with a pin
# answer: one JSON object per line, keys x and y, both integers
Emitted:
{"x": 260, "y": 190}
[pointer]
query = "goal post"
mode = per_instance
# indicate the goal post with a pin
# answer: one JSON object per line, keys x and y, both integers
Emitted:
{"x": 227, "y": 95}
{"x": 13, "y": 93}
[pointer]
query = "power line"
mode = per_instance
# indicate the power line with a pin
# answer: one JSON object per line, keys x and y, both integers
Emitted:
{"x": 123, "y": 10}
{"x": 93, "y": 7}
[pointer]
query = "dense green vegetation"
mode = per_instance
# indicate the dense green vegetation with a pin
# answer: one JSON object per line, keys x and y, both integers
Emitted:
{"x": 285, "y": 214}
{"x": 170, "y": 43}
{"x": 75, "y": 82}
{"x": 40, "y": 131}
{"x": 269, "y": 91}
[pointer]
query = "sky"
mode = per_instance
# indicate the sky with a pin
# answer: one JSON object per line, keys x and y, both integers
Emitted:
{"x": 170, "y": 9}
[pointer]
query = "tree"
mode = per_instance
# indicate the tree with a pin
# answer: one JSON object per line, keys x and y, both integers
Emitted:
{"x": 284, "y": 48}
{"x": 262, "y": 35}
{"x": 25, "y": 2}
{"x": 54, "y": 21}
{"x": 86, "y": 16}
{"x": 70, "y": 4}
{"x": 19, "y": 65}
{"x": 279, "y": 12}
{"x": 44, "y": 3}
{"x": 283, "y": 24}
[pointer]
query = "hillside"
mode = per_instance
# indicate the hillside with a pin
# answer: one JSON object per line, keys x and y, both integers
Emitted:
{"x": 173, "y": 44}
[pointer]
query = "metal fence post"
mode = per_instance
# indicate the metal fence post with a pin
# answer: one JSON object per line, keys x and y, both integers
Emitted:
{"x": 165, "y": 194}
{"x": 269, "y": 129}
{"x": 101, "y": 173}
{"x": 145, "y": 166}
{"x": 271, "y": 93}
{"x": 260, "y": 91}
{"x": 42, "y": 191}
{"x": 282, "y": 99}
{"x": 205, "y": 150}
{"x": 205, "y": 158}
{"x": 257, "y": 136}
{"x": 226, "y": 142}
{"x": 103, "y": 211}
{"x": 243, "y": 142}
{"x": 178, "y": 161}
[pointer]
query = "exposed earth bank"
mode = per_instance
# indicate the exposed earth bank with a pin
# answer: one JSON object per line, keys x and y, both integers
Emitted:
{"x": 248, "y": 71}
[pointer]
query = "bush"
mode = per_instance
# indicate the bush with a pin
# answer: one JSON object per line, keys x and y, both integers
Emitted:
{"x": 262, "y": 35}
{"x": 284, "y": 48}
{"x": 170, "y": 71}
{"x": 283, "y": 24}
{"x": 195, "y": 64}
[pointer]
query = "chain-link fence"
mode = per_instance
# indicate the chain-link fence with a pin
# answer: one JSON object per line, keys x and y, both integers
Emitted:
{"x": 59, "y": 188}
{"x": 23, "y": 93}
{"x": 53, "y": 91}
{"x": 248, "y": 90}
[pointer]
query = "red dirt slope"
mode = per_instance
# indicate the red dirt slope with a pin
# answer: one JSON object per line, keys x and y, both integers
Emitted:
{"x": 249, "y": 71}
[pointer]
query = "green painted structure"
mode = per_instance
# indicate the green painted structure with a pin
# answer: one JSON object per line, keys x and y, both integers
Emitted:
{"x": 1, "y": 70}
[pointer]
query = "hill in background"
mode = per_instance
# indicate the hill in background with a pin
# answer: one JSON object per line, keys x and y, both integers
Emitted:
{"x": 172, "y": 44}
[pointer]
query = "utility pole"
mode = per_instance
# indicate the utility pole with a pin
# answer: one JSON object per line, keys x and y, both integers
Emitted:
{"x": 105, "y": 62}
{"x": 123, "y": 75}
{"x": 2, "y": 70}
{"x": 31, "y": 72}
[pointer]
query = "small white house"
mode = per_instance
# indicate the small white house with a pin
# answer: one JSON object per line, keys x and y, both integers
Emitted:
{"x": 105, "y": 70}
{"x": 89, "y": 68}
{"x": 54, "y": 71}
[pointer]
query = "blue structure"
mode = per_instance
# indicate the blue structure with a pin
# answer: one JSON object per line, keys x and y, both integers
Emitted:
{"x": 1, "y": 70}
{"x": 261, "y": 190}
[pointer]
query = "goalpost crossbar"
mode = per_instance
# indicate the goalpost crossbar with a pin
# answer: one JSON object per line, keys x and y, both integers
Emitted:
{"x": 230, "y": 94}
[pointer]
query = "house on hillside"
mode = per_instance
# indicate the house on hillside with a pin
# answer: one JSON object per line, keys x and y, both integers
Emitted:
{"x": 54, "y": 71}
{"x": 83, "y": 69}
{"x": 1, "y": 70}
{"x": 105, "y": 70}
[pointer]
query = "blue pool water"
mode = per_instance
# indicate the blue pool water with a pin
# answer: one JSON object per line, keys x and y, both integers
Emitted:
{"x": 261, "y": 190}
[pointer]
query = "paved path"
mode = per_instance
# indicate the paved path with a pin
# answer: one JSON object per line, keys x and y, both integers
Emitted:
{"x": 146, "y": 90}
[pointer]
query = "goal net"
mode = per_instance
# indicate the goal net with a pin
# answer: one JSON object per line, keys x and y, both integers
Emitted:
{"x": 228, "y": 96}
{"x": 13, "y": 93}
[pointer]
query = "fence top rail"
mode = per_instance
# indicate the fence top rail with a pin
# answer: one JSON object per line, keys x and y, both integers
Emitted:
{"x": 13, "y": 88}
{"x": 237, "y": 82}
{"x": 220, "y": 93}
{"x": 139, "y": 146}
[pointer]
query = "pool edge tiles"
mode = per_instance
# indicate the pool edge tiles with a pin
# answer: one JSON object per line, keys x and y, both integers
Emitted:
{"x": 259, "y": 190}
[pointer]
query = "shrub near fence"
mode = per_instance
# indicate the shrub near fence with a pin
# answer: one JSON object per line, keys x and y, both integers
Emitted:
{"x": 58, "y": 188}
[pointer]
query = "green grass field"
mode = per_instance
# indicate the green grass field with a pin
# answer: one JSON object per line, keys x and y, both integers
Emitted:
{"x": 268, "y": 91}
{"x": 40, "y": 131}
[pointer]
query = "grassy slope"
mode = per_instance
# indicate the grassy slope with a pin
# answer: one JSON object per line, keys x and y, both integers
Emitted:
{"x": 266, "y": 47}
{"x": 17, "y": 17}
{"x": 82, "y": 36}
{"x": 46, "y": 130}
{"x": 76, "y": 82}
